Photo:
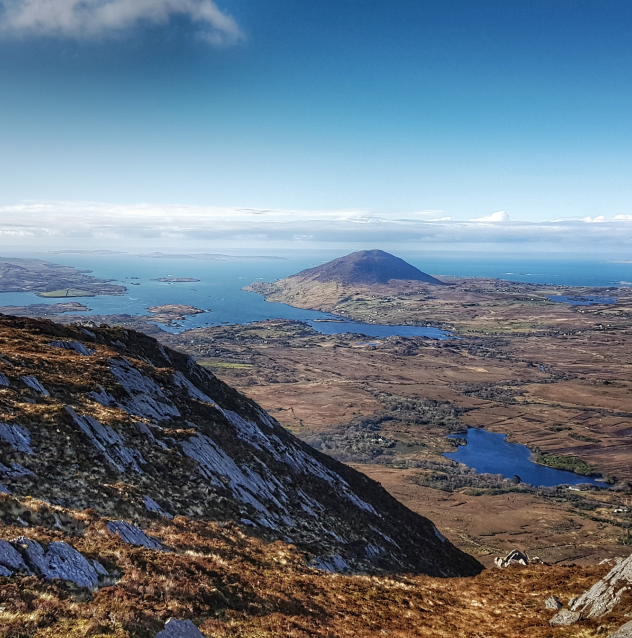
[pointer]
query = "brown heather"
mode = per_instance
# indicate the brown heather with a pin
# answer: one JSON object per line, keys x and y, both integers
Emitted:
{"x": 234, "y": 585}
{"x": 230, "y": 580}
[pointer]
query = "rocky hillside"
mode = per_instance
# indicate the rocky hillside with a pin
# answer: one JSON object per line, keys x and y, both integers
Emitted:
{"x": 140, "y": 497}
{"x": 110, "y": 420}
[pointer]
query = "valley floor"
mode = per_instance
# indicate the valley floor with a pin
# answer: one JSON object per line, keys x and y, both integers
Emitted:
{"x": 386, "y": 406}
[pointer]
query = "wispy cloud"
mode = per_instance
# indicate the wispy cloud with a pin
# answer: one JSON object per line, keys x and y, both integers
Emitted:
{"x": 500, "y": 216}
{"x": 101, "y": 225}
{"x": 81, "y": 19}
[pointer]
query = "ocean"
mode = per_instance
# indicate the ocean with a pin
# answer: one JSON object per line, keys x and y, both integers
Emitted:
{"x": 219, "y": 288}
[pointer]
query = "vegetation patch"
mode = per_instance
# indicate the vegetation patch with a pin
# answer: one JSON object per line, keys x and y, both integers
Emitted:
{"x": 568, "y": 463}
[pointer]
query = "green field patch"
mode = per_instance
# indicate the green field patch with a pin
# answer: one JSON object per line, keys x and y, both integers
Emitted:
{"x": 221, "y": 364}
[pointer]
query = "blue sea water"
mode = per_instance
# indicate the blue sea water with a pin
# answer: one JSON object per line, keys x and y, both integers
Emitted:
{"x": 219, "y": 288}
{"x": 489, "y": 452}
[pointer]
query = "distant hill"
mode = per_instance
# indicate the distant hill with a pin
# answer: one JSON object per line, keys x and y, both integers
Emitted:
{"x": 367, "y": 267}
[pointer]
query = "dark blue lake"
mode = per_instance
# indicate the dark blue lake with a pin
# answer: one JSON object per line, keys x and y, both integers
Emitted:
{"x": 490, "y": 453}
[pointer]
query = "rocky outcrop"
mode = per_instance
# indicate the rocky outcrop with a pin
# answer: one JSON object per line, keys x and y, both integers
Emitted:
{"x": 565, "y": 618}
{"x": 623, "y": 632}
{"x": 60, "y": 560}
{"x": 179, "y": 629}
{"x": 553, "y": 603}
{"x": 133, "y": 535}
{"x": 515, "y": 557}
{"x": 76, "y": 346}
{"x": 35, "y": 385}
{"x": 604, "y": 595}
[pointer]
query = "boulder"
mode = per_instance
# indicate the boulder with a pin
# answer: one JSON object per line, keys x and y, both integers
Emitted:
{"x": 179, "y": 629}
{"x": 564, "y": 618}
{"x": 133, "y": 535}
{"x": 515, "y": 557}
{"x": 623, "y": 632}
{"x": 552, "y": 603}
{"x": 10, "y": 559}
{"x": 60, "y": 560}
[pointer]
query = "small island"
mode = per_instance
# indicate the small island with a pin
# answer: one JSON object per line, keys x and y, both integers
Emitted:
{"x": 170, "y": 313}
{"x": 177, "y": 280}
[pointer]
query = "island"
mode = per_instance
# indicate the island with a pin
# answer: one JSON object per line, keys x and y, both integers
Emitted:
{"x": 208, "y": 256}
{"x": 52, "y": 280}
{"x": 178, "y": 280}
{"x": 171, "y": 313}
{"x": 44, "y": 310}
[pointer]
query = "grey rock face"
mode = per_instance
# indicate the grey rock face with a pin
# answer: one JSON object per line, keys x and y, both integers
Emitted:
{"x": 194, "y": 392}
{"x": 179, "y": 629}
{"x": 109, "y": 442}
{"x": 59, "y": 561}
{"x": 77, "y": 346}
{"x": 15, "y": 471}
{"x": 34, "y": 384}
{"x": 564, "y": 618}
{"x": 4, "y": 381}
{"x": 602, "y": 597}
{"x": 146, "y": 399}
{"x": 12, "y": 559}
{"x": 552, "y": 603}
{"x": 133, "y": 535}
{"x": 152, "y": 506}
{"x": 17, "y": 436}
{"x": 623, "y": 632}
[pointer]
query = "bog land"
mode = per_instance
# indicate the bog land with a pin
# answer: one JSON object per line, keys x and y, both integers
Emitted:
{"x": 552, "y": 376}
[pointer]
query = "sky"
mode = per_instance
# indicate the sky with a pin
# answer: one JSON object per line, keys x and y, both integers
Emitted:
{"x": 495, "y": 123}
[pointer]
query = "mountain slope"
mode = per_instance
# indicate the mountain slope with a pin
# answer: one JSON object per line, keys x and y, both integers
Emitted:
{"x": 110, "y": 420}
{"x": 366, "y": 267}
{"x": 337, "y": 285}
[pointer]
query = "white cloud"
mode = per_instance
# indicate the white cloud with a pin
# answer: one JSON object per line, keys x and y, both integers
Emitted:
{"x": 622, "y": 218}
{"x": 82, "y": 19}
{"x": 500, "y": 216}
{"x": 594, "y": 220}
{"x": 136, "y": 227}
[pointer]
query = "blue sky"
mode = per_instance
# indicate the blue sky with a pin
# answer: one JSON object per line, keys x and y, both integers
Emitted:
{"x": 461, "y": 108}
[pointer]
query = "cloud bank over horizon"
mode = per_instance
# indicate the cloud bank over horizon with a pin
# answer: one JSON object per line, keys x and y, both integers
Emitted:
{"x": 83, "y": 19}
{"x": 102, "y": 225}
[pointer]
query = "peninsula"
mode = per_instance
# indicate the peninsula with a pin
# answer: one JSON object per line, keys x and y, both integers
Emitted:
{"x": 52, "y": 280}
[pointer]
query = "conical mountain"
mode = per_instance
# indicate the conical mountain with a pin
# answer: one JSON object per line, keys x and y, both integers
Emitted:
{"x": 367, "y": 267}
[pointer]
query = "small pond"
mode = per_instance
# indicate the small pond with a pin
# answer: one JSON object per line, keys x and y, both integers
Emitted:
{"x": 490, "y": 453}
{"x": 375, "y": 330}
{"x": 582, "y": 301}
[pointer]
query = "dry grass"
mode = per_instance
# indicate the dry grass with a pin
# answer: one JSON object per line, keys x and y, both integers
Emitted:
{"x": 234, "y": 585}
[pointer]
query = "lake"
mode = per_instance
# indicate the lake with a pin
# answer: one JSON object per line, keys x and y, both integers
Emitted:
{"x": 490, "y": 453}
